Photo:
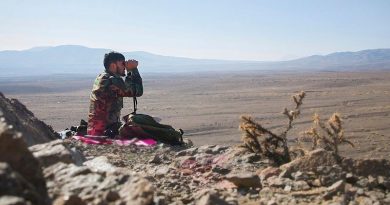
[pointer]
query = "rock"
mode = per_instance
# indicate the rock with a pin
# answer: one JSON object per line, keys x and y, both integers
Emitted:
{"x": 365, "y": 167}
{"x": 64, "y": 171}
{"x": 330, "y": 174}
{"x": 187, "y": 152}
{"x": 208, "y": 149}
{"x": 268, "y": 172}
{"x": 316, "y": 183}
{"x": 13, "y": 200}
{"x": 111, "y": 196}
{"x": 334, "y": 189}
{"x": 162, "y": 171}
{"x": 186, "y": 172}
{"x": 69, "y": 200}
{"x": 33, "y": 131}
{"x": 246, "y": 179}
{"x": 384, "y": 182}
{"x": 278, "y": 182}
{"x": 211, "y": 199}
{"x": 137, "y": 191}
{"x": 14, "y": 151}
{"x": 185, "y": 161}
{"x": 218, "y": 149}
{"x": 362, "y": 182}
{"x": 284, "y": 174}
{"x": 375, "y": 195}
{"x": 272, "y": 202}
{"x": 71, "y": 179}
{"x": 350, "y": 192}
{"x": 16, "y": 187}
{"x": 360, "y": 191}
{"x": 300, "y": 185}
{"x": 220, "y": 170}
{"x": 311, "y": 161}
{"x": 98, "y": 188}
{"x": 297, "y": 176}
{"x": 250, "y": 158}
{"x": 372, "y": 182}
{"x": 350, "y": 178}
{"x": 156, "y": 159}
{"x": 77, "y": 156}
{"x": 100, "y": 164}
{"x": 266, "y": 192}
{"x": 53, "y": 152}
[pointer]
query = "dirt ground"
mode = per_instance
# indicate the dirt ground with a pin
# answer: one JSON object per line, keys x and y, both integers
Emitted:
{"x": 207, "y": 106}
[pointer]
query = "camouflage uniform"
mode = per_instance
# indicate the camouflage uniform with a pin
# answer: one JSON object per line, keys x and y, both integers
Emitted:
{"x": 107, "y": 100}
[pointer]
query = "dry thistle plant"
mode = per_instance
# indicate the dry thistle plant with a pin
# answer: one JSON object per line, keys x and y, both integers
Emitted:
{"x": 273, "y": 146}
{"x": 327, "y": 135}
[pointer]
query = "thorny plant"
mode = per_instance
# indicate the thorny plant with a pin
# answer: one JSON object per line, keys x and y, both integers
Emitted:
{"x": 273, "y": 146}
{"x": 327, "y": 135}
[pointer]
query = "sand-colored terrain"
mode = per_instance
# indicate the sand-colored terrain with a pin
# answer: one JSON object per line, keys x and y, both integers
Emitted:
{"x": 207, "y": 106}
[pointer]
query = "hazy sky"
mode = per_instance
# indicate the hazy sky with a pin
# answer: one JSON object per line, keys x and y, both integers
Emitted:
{"x": 218, "y": 29}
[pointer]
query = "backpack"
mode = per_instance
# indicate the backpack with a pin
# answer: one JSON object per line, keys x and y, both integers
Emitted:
{"x": 145, "y": 126}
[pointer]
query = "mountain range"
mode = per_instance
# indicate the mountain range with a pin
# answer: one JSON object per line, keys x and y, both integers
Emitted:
{"x": 80, "y": 59}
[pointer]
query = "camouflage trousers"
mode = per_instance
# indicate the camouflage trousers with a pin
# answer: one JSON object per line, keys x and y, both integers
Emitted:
{"x": 99, "y": 128}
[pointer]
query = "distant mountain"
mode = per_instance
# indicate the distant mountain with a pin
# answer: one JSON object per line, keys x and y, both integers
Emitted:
{"x": 360, "y": 60}
{"x": 80, "y": 59}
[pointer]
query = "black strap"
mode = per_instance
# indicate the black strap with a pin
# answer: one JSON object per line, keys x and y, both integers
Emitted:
{"x": 134, "y": 105}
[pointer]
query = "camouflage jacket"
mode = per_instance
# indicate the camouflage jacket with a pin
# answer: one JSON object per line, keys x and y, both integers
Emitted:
{"x": 106, "y": 99}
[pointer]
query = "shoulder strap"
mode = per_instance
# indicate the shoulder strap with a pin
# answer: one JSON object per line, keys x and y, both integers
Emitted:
{"x": 134, "y": 105}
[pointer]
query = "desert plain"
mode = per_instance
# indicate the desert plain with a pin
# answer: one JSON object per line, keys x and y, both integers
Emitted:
{"x": 207, "y": 105}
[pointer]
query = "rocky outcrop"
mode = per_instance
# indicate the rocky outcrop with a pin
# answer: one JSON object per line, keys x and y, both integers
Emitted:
{"x": 33, "y": 130}
{"x": 69, "y": 180}
{"x": 54, "y": 152}
{"x": 67, "y": 172}
{"x": 311, "y": 161}
{"x": 20, "y": 162}
{"x": 22, "y": 180}
{"x": 17, "y": 188}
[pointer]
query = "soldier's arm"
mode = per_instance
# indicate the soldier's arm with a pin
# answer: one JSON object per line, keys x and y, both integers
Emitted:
{"x": 99, "y": 90}
{"x": 131, "y": 87}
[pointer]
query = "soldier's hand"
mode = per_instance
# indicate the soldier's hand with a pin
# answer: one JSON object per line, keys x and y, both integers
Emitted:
{"x": 131, "y": 64}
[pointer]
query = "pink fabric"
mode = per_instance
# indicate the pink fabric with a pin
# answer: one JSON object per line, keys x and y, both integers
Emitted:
{"x": 138, "y": 142}
{"x": 92, "y": 140}
{"x": 88, "y": 139}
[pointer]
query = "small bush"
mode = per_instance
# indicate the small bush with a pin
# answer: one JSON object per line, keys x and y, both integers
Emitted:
{"x": 261, "y": 140}
{"x": 328, "y": 135}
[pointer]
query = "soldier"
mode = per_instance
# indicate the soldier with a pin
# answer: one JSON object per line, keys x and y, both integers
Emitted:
{"x": 108, "y": 91}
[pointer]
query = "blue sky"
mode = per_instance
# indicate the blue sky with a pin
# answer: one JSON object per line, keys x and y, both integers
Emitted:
{"x": 230, "y": 29}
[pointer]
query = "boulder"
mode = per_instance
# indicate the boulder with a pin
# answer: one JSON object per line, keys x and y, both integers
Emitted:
{"x": 211, "y": 199}
{"x": 246, "y": 179}
{"x": 137, "y": 191}
{"x": 18, "y": 189}
{"x": 68, "y": 183}
{"x": 311, "y": 161}
{"x": 53, "y": 152}
{"x": 69, "y": 200}
{"x": 278, "y": 182}
{"x": 14, "y": 151}
{"x": 33, "y": 131}
{"x": 100, "y": 164}
{"x": 334, "y": 189}
{"x": 268, "y": 172}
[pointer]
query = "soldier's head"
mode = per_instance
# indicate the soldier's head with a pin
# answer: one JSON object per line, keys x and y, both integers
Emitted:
{"x": 114, "y": 62}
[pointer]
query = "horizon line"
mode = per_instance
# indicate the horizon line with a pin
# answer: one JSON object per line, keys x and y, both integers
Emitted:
{"x": 187, "y": 57}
